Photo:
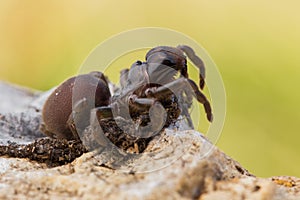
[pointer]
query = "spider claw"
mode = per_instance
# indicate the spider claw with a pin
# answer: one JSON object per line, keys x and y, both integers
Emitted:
{"x": 202, "y": 83}
{"x": 210, "y": 117}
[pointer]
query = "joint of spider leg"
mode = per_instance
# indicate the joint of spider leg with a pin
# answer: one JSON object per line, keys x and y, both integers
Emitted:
{"x": 131, "y": 99}
{"x": 149, "y": 92}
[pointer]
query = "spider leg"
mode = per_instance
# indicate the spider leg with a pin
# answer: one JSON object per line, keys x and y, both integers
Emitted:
{"x": 120, "y": 113}
{"x": 165, "y": 91}
{"x": 202, "y": 99}
{"x": 79, "y": 118}
{"x": 96, "y": 137}
{"x": 140, "y": 104}
{"x": 103, "y": 112}
{"x": 182, "y": 84}
{"x": 157, "y": 114}
{"x": 197, "y": 62}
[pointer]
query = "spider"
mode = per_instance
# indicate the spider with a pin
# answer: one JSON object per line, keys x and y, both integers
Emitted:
{"x": 150, "y": 97}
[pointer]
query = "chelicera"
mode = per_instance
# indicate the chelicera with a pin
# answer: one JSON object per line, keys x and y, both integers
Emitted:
{"x": 150, "y": 97}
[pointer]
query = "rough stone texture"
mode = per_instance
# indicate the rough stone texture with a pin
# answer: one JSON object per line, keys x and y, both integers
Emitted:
{"x": 175, "y": 165}
{"x": 20, "y": 115}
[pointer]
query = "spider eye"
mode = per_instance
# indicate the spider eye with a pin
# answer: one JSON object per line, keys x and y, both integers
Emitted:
{"x": 138, "y": 62}
{"x": 168, "y": 62}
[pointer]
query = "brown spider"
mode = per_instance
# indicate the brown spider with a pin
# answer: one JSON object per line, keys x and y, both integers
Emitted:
{"x": 146, "y": 100}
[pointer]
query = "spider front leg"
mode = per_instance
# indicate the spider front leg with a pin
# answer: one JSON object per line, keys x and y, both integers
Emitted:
{"x": 156, "y": 111}
{"x": 79, "y": 118}
{"x": 182, "y": 84}
{"x": 197, "y": 62}
{"x": 120, "y": 112}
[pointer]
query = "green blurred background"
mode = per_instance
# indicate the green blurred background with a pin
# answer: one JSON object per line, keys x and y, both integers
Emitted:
{"x": 255, "y": 44}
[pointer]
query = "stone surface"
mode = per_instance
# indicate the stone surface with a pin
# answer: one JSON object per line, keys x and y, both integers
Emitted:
{"x": 175, "y": 165}
{"x": 20, "y": 115}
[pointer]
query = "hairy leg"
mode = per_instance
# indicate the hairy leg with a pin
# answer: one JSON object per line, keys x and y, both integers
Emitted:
{"x": 177, "y": 86}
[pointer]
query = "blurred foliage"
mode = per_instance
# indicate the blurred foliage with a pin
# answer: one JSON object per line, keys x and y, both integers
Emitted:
{"x": 254, "y": 43}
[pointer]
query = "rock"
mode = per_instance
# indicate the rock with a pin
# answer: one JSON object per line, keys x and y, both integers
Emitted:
{"x": 178, "y": 164}
{"x": 15, "y": 98}
{"x": 20, "y": 114}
